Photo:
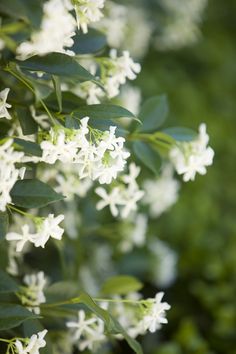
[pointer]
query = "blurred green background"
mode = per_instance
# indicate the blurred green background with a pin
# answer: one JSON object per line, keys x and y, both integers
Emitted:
{"x": 200, "y": 82}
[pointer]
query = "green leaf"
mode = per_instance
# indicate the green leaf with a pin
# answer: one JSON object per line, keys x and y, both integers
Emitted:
{"x": 29, "y": 147}
{"x": 181, "y": 133}
{"x": 58, "y": 64}
{"x": 111, "y": 323}
{"x": 28, "y": 124}
{"x": 70, "y": 102}
{"x": 4, "y": 222}
{"x": 91, "y": 42}
{"x": 92, "y": 306}
{"x": 71, "y": 123}
{"x": 32, "y": 193}
{"x": 13, "y": 315}
{"x": 149, "y": 157}
{"x": 7, "y": 284}
{"x": 57, "y": 87}
{"x": 27, "y": 10}
{"x": 115, "y": 325}
{"x": 121, "y": 285}
{"x": 102, "y": 111}
{"x": 153, "y": 113}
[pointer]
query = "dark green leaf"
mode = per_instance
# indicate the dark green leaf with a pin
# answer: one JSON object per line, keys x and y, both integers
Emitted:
{"x": 153, "y": 113}
{"x": 28, "y": 124}
{"x": 29, "y": 147}
{"x": 13, "y": 315}
{"x": 71, "y": 123}
{"x": 32, "y": 193}
{"x": 7, "y": 284}
{"x": 121, "y": 284}
{"x": 181, "y": 133}
{"x": 58, "y": 64}
{"x": 57, "y": 87}
{"x": 115, "y": 325}
{"x": 4, "y": 221}
{"x": 91, "y": 42}
{"x": 103, "y": 111}
{"x": 147, "y": 155}
{"x": 27, "y": 10}
{"x": 70, "y": 102}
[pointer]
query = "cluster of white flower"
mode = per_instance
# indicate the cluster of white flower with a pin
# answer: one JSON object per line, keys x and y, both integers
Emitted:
{"x": 33, "y": 294}
{"x": 88, "y": 11}
{"x": 120, "y": 26}
{"x": 46, "y": 228}
{"x": 154, "y": 314}
{"x": 125, "y": 195}
{"x": 117, "y": 70}
{"x": 181, "y": 27}
{"x": 31, "y": 345}
{"x": 192, "y": 157}
{"x": 56, "y": 32}
{"x": 100, "y": 158}
{"x": 161, "y": 193}
{"x": 87, "y": 333}
{"x": 9, "y": 174}
{"x": 4, "y": 105}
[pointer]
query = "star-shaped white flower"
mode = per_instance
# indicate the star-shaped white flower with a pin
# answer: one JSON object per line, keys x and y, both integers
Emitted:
{"x": 4, "y": 105}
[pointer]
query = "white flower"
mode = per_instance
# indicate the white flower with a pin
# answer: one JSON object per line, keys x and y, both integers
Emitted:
{"x": 161, "y": 193}
{"x": 89, "y": 333}
{"x": 34, "y": 343}
{"x": 56, "y": 32}
{"x": 58, "y": 147}
{"x": 21, "y": 239}
{"x": 192, "y": 157}
{"x": 9, "y": 174}
{"x": 155, "y": 313}
{"x": 33, "y": 293}
{"x": 88, "y": 11}
{"x": 118, "y": 70}
{"x": 112, "y": 200}
{"x": 4, "y": 105}
{"x": 100, "y": 158}
{"x": 126, "y": 197}
{"x": 182, "y": 23}
{"x": 48, "y": 228}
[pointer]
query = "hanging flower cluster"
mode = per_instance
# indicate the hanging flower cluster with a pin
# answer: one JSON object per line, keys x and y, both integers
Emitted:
{"x": 64, "y": 137}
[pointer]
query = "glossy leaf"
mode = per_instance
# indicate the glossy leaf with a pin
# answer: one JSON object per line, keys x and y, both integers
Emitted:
{"x": 28, "y": 124}
{"x": 7, "y": 284}
{"x": 13, "y": 315}
{"x": 32, "y": 193}
{"x": 91, "y": 42}
{"x": 147, "y": 156}
{"x": 153, "y": 113}
{"x": 58, "y": 64}
{"x": 28, "y": 147}
{"x": 181, "y": 133}
{"x": 102, "y": 111}
{"x": 121, "y": 284}
{"x": 57, "y": 87}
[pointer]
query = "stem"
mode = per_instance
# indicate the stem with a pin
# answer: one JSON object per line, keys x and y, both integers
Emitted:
{"x": 5, "y": 340}
{"x": 11, "y": 207}
{"x": 32, "y": 90}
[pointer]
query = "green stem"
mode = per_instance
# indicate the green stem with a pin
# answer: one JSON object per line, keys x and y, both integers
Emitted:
{"x": 11, "y": 207}
{"x": 32, "y": 90}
